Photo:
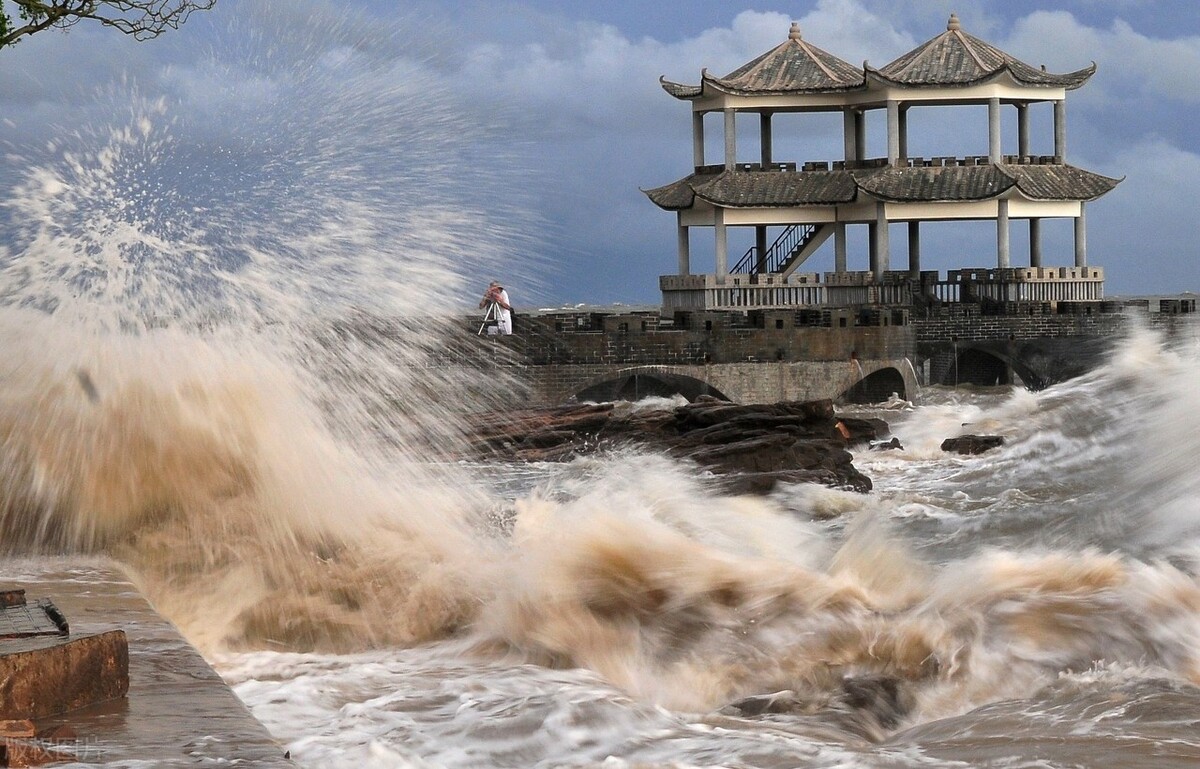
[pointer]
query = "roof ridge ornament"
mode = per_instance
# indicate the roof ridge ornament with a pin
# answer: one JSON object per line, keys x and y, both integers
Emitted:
{"x": 953, "y": 25}
{"x": 794, "y": 32}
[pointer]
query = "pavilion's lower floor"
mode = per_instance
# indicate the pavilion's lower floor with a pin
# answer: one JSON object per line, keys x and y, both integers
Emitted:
{"x": 841, "y": 289}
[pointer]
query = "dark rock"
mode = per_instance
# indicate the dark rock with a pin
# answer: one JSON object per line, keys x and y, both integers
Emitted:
{"x": 755, "y": 446}
{"x": 785, "y": 701}
{"x": 860, "y": 432}
{"x": 892, "y": 445}
{"x": 884, "y": 697}
{"x": 972, "y": 444}
{"x": 543, "y": 439}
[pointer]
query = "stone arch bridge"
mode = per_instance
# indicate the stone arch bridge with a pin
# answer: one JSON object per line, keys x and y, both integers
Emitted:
{"x": 858, "y": 356}
{"x": 745, "y": 359}
{"x": 861, "y": 355}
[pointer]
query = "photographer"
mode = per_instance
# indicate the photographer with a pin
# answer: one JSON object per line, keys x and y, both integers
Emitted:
{"x": 496, "y": 300}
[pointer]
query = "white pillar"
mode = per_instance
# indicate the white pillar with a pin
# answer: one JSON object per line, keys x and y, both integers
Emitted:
{"x": 1081, "y": 237}
{"x": 1035, "y": 242}
{"x": 893, "y": 132}
{"x": 839, "y": 247}
{"x": 685, "y": 248}
{"x": 914, "y": 249}
{"x": 697, "y": 139}
{"x": 860, "y": 135}
{"x": 764, "y": 138}
{"x": 1060, "y": 130}
{"x": 1002, "y": 234}
{"x": 1023, "y": 130}
{"x": 848, "y": 135}
{"x": 730, "y": 139}
{"x": 882, "y": 259}
{"x": 994, "y": 152}
{"x": 722, "y": 244}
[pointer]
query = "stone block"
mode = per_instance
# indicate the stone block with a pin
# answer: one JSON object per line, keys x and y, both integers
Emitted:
{"x": 45, "y": 677}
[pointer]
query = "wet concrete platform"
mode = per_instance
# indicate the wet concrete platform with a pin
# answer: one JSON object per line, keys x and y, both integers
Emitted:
{"x": 178, "y": 711}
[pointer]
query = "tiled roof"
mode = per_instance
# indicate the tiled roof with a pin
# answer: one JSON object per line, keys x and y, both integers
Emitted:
{"x": 1060, "y": 182}
{"x": 956, "y": 58}
{"x": 679, "y": 90}
{"x": 779, "y": 189}
{"x": 793, "y": 66}
{"x": 679, "y": 195}
{"x": 739, "y": 189}
{"x": 954, "y": 183}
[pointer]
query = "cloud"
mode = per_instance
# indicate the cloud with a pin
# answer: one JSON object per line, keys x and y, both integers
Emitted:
{"x": 571, "y": 117}
{"x": 1143, "y": 232}
{"x": 1130, "y": 64}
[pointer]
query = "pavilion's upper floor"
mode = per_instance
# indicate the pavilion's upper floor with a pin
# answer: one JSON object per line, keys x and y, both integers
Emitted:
{"x": 951, "y": 68}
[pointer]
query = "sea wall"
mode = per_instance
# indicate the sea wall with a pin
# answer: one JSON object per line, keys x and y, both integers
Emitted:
{"x": 177, "y": 712}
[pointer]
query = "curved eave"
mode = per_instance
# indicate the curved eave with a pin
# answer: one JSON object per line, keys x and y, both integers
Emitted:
{"x": 949, "y": 184}
{"x": 877, "y": 76}
{"x": 676, "y": 196}
{"x": 680, "y": 90}
{"x": 724, "y": 88}
{"x": 1060, "y": 182}
{"x": 1026, "y": 75}
{"x": 1021, "y": 75}
{"x": 955, "y": 184}
{"x": 721, "y": 86}
{"x": 777, "y": 189}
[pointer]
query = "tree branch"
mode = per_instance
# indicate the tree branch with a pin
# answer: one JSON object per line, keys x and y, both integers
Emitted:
{"x": 141, "y": 19}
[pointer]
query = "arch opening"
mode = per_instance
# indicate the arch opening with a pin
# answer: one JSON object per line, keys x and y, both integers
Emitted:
{"x": 976, "y": 367}
{"x": 638, "y": 385}
{"x": 876, "y": 387}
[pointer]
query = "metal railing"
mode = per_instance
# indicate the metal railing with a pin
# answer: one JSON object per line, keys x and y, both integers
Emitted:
{"x": 791, "y": 240}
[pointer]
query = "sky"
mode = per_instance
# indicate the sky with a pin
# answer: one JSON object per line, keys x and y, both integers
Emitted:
{"x": 548, "y": 116}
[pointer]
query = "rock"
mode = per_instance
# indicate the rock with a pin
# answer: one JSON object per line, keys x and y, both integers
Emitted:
{"x": 871, "y": 706}
{"x": 784, "y": 701}
{"x": 892, "y": 445}
{"x": 972, "y": 444}
{"x": 884, "y": 697}
{"x": 756, "y": 446}
{"x": 859, "y": 431}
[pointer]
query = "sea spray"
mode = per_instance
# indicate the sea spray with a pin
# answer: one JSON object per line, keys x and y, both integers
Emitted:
{"x": 231, "y": 360}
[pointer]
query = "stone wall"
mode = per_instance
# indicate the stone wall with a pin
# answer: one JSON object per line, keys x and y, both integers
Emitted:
{"x": 969, "y": 322}
{"x": 762, "y": 356}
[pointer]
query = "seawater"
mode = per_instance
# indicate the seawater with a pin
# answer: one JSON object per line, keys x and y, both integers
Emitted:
{"x": 1026, "y": 603}
{"x": 245, "y": 390}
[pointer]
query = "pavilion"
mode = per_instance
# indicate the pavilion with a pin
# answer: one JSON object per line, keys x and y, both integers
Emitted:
{"x": 798, "y": 209}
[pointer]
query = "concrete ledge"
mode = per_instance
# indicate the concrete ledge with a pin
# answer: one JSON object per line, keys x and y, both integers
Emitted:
{"x": 177, "y": 713}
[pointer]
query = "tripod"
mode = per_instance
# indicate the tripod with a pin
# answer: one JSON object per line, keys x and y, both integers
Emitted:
{"x": 490, "y": 318}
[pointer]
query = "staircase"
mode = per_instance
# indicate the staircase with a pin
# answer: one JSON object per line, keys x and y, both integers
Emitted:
{"x": 784, "y": 253}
